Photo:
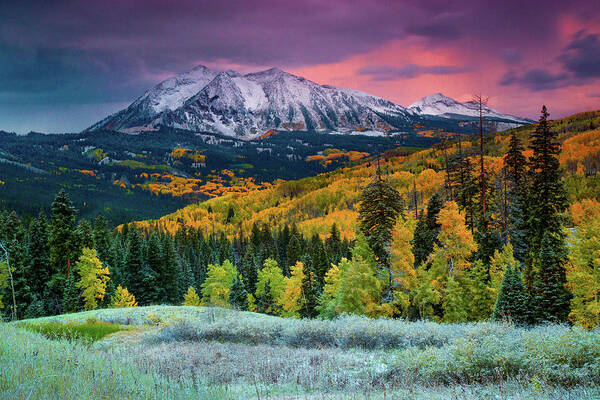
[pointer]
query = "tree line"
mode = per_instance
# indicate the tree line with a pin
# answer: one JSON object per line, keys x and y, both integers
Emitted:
{"x": 485, "y": 246}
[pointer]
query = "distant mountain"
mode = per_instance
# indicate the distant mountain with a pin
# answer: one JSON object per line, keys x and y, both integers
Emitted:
{"x": 250, "y": 105}
{"x": 439, "y": 105}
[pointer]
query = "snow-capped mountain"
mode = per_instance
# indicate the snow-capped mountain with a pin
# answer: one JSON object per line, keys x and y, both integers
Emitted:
{"x": 249, "y": 105}
{"x": 439, "y": 105}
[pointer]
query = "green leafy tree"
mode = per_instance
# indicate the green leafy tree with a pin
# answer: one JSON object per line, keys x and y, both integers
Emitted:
{"x": 122, "y": 298}
{"x": 94, "y": 278}
{"x": 216, "y": 287}
{"x": 269, "y": 287}
{"x": 191, "y": 297}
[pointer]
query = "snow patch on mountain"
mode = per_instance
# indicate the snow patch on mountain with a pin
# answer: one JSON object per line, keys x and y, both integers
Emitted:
{"x": 439, "y": 105}
{"x": 249, "y": 105}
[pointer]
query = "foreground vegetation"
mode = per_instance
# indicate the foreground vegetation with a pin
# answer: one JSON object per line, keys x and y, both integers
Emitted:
{"x": 195, "y": 352}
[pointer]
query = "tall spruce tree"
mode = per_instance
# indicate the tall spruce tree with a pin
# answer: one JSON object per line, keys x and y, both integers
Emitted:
{"x": 515, "y": 166}
{"x": 134, "y": 262}
{"x": 512, "y": 301}
{"x": 380, "y": 205}
{"x": 39, "y": 257}
{"x": 427, "y": 230}
{"x": 63, "y": 242}
{"x": 551, "y": 298}
{"x": 238, "y": 296}
{"x": 547, "y": 250}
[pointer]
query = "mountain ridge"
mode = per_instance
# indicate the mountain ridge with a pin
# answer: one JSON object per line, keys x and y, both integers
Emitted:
{"x": 251, "y": 104}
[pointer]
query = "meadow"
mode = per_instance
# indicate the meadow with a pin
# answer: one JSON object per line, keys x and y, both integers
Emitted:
{"x": 212, "y": 353}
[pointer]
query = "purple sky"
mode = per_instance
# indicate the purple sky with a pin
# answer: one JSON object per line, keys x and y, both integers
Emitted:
{"x": 66, "y": 64}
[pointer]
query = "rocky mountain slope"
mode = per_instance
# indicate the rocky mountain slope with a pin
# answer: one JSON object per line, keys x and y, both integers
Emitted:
{"x": 250, "y": 105}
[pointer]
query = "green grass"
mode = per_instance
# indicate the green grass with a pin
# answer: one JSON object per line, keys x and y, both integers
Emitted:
{"x": 89, "y": 331}
{"x": 195, "y": 352}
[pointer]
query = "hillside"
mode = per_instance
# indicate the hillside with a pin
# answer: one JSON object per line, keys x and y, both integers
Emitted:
{"x": 212, "y": 353}
{"x": 128, "y": 177}
{"x": 315, "y": 203}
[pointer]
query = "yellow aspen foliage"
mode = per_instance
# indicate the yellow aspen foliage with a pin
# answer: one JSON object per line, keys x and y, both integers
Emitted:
{"x": 93, "y": 278}
{"x": 270, "y": 284}
{"x": 500, "y": 261}
{"x": 122, "y": 298}
{"x": 426, "y": 295}
{"x": 191, "y": 298}
{"x": 292, "y": 298}
{"x": 216, "y": 286}
{"x": 353, "y": 287}
{"x": 583, "y": 271}
{"x": 402, "y": 262}
{"x": 456, "y": 241}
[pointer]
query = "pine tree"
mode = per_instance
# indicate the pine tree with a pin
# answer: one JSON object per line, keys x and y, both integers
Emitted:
{"x": 19, "y": 266}
{"x": 512, "y": 300}
{"x": 156, "y": 274}
{"x": 515, "y": 165}
{"x": 230, "y": 214}
{"x": 310, "y": 291}
{"x": 191, "y": 297}
{"x": 547, "y": 195}
{"x": 102, "y": 238}
{"x": 168, "y": 272}
{"x": 122, "y": 298}
{"x": 134, "y": 262}
{"x": 294, "y": 253}
{"x": 427, "y": 230}
{"x": 94, "y": 278}
{"x": 551, "y": 299}
{"x": 71, "y": 301}
{"x": 546, "y": 241}
{"x": 63, "y": 241}
{"x": 320, "y": 261}
{"x": 248, "y": 269}
{"x": 238, "y": 296}
{"x": 85, "y": 236}
{"x": 39, "y": 257}
{"x": 380, "y": 205}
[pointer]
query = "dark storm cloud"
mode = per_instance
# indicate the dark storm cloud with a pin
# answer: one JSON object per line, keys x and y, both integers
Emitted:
{"x": 408, "y": 71}
{"x": 582, "y": 56}
{"x": 536, "y": 79}
{"x": 69, "y": 52}
{"x": 578, "y": 63}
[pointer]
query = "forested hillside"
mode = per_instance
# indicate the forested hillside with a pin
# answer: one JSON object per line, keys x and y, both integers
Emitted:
{"x": 128, "y": 177}
{"x": 427, "y": 235}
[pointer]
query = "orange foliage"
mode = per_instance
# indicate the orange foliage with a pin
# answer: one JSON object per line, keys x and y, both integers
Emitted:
{"x": 87, "y": 172}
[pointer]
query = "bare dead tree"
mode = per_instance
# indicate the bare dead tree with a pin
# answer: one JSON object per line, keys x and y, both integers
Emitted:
{"x": 12, "y": 285}
{"x": 481, "y": 102}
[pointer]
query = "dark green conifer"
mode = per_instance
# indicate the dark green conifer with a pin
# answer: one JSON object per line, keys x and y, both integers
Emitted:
{"x": 511, "y": 304}
{"x": 238, "y": 296}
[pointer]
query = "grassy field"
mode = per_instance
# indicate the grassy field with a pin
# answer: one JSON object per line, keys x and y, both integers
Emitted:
{"x": 191, "y": 352}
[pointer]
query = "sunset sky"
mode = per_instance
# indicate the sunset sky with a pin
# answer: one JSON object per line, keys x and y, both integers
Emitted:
{"x": 66, "y": 64}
